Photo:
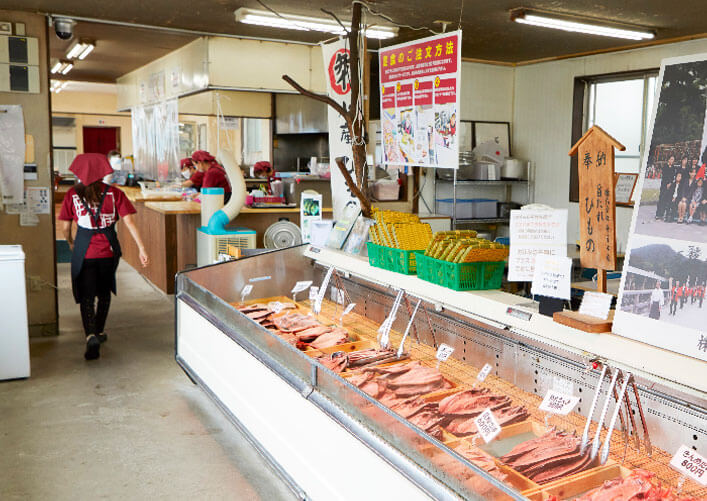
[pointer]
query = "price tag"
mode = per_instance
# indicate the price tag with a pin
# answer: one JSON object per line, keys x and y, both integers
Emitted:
{"x": 558, "y": 403}
{"x": 313, "y": 293}
{"x": 348, "y": 309}
{"x": 596, "y": 304}
{"x": 485, "y": 371}
{"x": 246, "y": 291}
{"x": 443, "y": 352}
{"x": 276, "y": 306}
{"x": 301, "y": 286}
{"x": 487, "y": 425}
{"x": 562, "y": 385}
{"x": 317, "y": 306}
{"x": 690, "y": 464}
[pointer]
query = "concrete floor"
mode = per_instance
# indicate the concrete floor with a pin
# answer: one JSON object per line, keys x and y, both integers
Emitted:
{"x": 130, "y": 425}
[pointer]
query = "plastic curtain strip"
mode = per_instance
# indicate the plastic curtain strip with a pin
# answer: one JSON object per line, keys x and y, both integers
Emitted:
{"x": 156, "y": 140}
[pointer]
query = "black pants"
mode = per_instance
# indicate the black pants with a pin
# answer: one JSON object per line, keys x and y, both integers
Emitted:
{"x": 94, "y": 281}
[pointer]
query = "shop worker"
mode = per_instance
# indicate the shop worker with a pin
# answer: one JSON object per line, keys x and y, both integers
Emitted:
{"x": 214, "y": 174}
{"x": 95, "y": 207}
{"x": 193, "y": 178}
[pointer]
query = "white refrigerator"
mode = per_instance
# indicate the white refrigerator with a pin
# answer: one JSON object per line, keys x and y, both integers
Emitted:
{"x": 14, "y": 335}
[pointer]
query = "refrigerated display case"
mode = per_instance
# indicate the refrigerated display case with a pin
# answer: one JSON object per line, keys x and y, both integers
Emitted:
{"x": 328, "y": 439}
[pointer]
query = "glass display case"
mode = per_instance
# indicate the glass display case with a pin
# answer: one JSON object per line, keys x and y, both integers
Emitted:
{"x": 314, "y": 415}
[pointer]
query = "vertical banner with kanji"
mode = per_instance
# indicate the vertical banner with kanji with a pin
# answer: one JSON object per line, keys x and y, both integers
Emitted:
{"x": 338, "y": 81}
{"x": 419, "y": 85}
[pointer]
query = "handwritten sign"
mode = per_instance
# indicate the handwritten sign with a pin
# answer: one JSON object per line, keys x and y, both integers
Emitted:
{"x": 623, "y": 187}
{"x": 488, "y": 426}
{"x": 484, "y": 372}
{"x": 443, "y": 352}
{"x": 596, "y": 304}
{"x": 277, "y": 306}
{"x": 558, "y": 403}
{"x": 552, "y": 276}
{"x": 690, "y": 464}
{"x": 535, "y": 232}
{"x": 597, "y": 200}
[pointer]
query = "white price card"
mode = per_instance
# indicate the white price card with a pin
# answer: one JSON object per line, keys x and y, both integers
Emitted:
{"x": 302, "y": 285}
{"x": 246, "y": 291}
{"x": 596, "y": 304}
{"x": 558, "y": 403}
{"x": 690, "y": 464}
{"x": 552, "y": 276}
{"x": 487, "y": 425}
{"x": 562, "y": 385}
{"x": 276, "y": 306}
{"x": 485, "y": 371}
{"x": 317, "y": 306}
{"x": 444, "y": 351}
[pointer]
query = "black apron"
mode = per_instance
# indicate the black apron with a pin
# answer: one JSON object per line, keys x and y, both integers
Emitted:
{"x": 82, "y": 241}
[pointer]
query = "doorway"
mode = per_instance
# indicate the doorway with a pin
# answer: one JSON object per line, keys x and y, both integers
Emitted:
{"x": 101, "y": 139}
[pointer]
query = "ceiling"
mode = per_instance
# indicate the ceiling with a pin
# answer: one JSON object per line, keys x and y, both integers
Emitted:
{"x": 488, "y": 32}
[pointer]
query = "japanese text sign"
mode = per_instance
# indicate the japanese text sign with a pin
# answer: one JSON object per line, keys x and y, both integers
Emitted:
{"x": 597, "y": 200}
{"x": 558, "y": 403}
{"x": 484, "y": 372}
{"x": 690, "y": 464}
{"x": 488, "y": 426}
{"x": 535, "y": 232}
{"x": 419, "y": 86}
{"x": 444, "y": 351}
{"x": 552, "y": 276}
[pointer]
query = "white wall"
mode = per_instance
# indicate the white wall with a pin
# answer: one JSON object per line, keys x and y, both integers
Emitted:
{"x": 542, "y": 119}
{"x": 486, "y": 94}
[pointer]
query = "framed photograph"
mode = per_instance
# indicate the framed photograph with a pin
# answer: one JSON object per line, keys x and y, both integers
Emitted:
{"x": 624, "y": 184}
{"x": 498, "y": 132}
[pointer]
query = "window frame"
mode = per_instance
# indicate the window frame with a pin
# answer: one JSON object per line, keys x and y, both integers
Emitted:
{"x": 580, "y": 115}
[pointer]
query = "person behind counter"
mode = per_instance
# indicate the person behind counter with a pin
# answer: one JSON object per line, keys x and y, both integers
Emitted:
{"x": 95, "y": 207}
{"x": 194, "y": 178}
{"x": 214, "y": 174}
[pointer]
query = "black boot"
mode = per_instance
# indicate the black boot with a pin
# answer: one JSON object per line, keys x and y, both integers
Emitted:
{"x": 93, "y": 346}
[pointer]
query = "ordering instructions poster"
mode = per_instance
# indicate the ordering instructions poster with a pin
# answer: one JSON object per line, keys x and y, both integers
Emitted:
{"x": 419, "y": 85}
{"x": 662, "y": 296}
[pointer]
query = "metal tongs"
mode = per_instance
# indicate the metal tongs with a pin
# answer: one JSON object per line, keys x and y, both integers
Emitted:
{"x": 585, "y": 435}
{"x": 596, "y": 443}
{"x": 617, "y": 410}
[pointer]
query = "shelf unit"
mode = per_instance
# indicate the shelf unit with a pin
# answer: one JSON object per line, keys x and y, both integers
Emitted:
{"x": 507, "y": 183}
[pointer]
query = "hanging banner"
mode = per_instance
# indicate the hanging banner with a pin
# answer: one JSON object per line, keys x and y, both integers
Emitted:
{"x": 662, "y": 294}
{"x": 419, "y": 85}
{"x": 338, "y": 83}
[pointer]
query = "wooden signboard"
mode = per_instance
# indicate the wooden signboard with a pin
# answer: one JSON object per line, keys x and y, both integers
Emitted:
{"x": 597, "y": 200}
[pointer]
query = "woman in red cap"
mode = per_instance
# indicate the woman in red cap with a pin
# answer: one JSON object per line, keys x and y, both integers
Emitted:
{"x": 194, "y": 178}
{"x": 95, "y": 207}
{"x": 214, "y": 174}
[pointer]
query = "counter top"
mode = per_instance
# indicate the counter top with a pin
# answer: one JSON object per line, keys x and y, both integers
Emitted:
{"x": 498, "y": 308}
{"x": 184, "y": 207}
{"x": 134, "y": 194}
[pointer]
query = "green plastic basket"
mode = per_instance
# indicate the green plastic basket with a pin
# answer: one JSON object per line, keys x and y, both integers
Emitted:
{"x": 460, "y": 276}
{"x": 397, "y": 260}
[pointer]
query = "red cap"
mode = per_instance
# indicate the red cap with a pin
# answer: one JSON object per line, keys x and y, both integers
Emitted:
{"x": 90, "y": 167}
{"x": 186, "y": 162}
{"x": 202, "y": 156}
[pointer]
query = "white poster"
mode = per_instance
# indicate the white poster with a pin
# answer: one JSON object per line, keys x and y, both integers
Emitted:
{"x": 338, "y": 80}
{"x": 420, "y": 84}
{"x": 535, "y": 232}
{"x": 662, "y": 294}
{"x": 310, "y": 211}
{"x": 12, "y": 154}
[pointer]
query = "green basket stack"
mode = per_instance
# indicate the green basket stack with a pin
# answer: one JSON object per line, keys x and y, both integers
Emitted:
{"x": 460, "y": 276}
{"x": 388, "y": 258}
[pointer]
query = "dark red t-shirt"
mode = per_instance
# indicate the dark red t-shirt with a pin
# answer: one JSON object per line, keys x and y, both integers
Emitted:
{"x": 197, "y": 179}
{"x": 215, "y": 177}
{"x": 115, "y": 205}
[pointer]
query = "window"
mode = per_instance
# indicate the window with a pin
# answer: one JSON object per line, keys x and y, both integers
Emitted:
{"x": 256, "y": 140}
{"x": 621, "y": 104}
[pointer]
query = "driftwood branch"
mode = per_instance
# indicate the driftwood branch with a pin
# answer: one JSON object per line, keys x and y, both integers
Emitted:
{"x": 353, "y": 116}
{"x": 363, "y": 200}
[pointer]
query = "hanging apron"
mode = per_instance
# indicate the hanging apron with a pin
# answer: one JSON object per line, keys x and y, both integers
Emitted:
{"x": 82, "y": 241}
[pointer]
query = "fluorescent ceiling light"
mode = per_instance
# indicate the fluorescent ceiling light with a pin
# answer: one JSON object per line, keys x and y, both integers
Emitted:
{"x": 304, "y": 23}
{"x": 81, "y": 49}
{"x": 62, "y": 66}
{"x": 57, "y": 67}
{"x": 67, "y": 68}
{"x": 549, "y": 21}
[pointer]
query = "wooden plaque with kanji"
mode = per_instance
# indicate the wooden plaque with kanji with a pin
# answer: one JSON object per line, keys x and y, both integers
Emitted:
{"x": 597, "y": 202}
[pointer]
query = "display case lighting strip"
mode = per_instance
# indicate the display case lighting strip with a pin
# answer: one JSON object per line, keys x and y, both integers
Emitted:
{"x": 305, "y": 23}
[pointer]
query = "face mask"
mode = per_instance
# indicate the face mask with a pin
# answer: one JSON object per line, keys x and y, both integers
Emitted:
{"x": 186, "y": 174}
{"x": 115, "y": 163}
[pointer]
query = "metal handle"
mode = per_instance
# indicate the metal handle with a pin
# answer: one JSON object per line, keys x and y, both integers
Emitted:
{"x": 597, "y": 440}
